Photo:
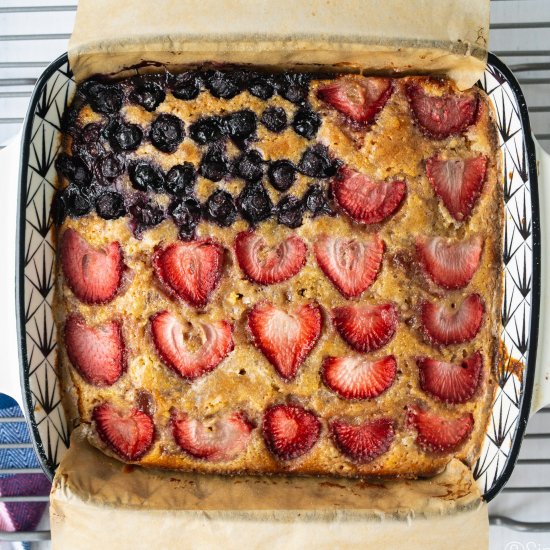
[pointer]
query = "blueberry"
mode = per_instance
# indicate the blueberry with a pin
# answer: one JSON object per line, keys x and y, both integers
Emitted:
{"x": 221, "y": 208}
{"x": 249, "y": 166}
{"x": 58, "y": 209}
{"x": 180, "y": 179}
{"x": 306, "y": 122}
{"x": 294, "y": 87}
{"x": 290, "y": 211}
{"x": 146, "y": 177}
{"x": 103, "y": 98}
{"x": 110, "y": 205}
{"x": 261, "y": 86}
{"x": 186, "y": 215}
{"x": 73, "y": 169}
{"x": 87, "y": 144}
{"x": 214, "y": 164}
{"x": 78, "y": 201}
{"x": 222, "y": 85}
{"x": 254, "y": 203}
{"x": 315, "y": 162}
{"x": 316, "y": 201}
{"x": 109, "y": 167}
{"x": 207, "y": 130}
{"x": 167, "y": 133}
{"x": 147, "y": 93}
{"x": 186, "y": 86}
{"x": 241, "y": 124}
{"x": 124, "y": 136}
{"x": 274, "y": 119}
{"x": 282, "y": 174}
{"x": 146, "y": 214}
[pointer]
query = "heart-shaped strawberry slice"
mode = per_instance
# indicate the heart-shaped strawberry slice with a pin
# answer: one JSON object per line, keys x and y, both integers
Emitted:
{"x": 190, "y": 270}
{"x": 97, "y": 353}
{"x": 93, "y": 274}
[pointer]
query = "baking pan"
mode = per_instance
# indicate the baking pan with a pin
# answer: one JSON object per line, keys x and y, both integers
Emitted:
{"x": 517, "y": 376}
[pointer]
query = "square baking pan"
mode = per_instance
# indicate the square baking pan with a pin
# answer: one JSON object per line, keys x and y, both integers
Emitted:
{"x": 519, "y": 377}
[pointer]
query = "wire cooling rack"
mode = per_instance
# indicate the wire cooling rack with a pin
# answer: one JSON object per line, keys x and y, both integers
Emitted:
{"x": 520, "y": 35}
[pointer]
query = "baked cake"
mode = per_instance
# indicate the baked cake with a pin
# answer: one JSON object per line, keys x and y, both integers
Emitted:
{"x": 291, "y": 272}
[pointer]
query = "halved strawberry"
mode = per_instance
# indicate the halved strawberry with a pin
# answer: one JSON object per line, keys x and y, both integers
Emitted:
{"x": 290, "y": 431}
{"x": 458, "y": 182}
{"x": 366, "y": 328}
{"x": 285, "y": 337}
{"x": 216, "y": 441}
{"x": 363, "y": 442}
{"x": 97, "y": 353}
{"x": 443, "y": 116}
{"x": 171, "y": 338}
{"x": 450, "y": 264}
{"x": 357, "y": 97}
{"x": 450, "y": 382}
{"x": 443, "y": 325}
{"x": 351, "y": 264}
{"x": 191, "y": 270}
{"x": 128, "y": 432}
{"x": 265, "y": 265}
{"x": 355, "y": 377}
{"x": 94, "y": 275}
{"x": 366, "y": 200}
{"x": 436, "y": 433}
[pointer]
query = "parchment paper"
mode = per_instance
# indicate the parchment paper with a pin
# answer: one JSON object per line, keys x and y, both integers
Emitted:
{"x": 401, "y": 36}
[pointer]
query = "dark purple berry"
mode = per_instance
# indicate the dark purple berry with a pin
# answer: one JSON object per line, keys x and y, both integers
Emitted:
{"x": 187, "y": 232}
{"x": 281, "y": 174}
{"x": 249, "y": 166}
{"x": 224, "y": 85}
{"x": 241, "y": 124}
{"x": 207, "y": 130}
{"x": 146, "y": 213}
{"x": 58, "y": 209}
{"x": 147, "y": 93}
{"x": 180, "y": 179}
{"x": 110, "y": 205}
{"x": 186, "y": 86}
{"x": 109, "y": 167}
{"x": 221, "y": 208}
{"x": 186, "y": 215}
{"x": 294, "y": 87}
{"x": 124, "y": 136}
{"x": 316, "y": 201}
{"x": 254, "y": 203}
{"x": 290, "y": 211}
{"x": 274, "y": 119}
{"x": 214, "y": 164}
{"x": 261, "y": 86}
{"x": 167, "y": 133}
{"x": 87, "y": 144}
{"x": 316, "y": 163}
{"x": 146, "y": 177}
{"x": 79, "y": 201}
{"x": 73, "y": 169}
{"x": 103, "y": 98}
{"x": 306, "y": 122}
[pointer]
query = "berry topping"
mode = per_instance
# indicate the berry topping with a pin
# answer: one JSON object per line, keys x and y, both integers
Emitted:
{"x": 241, "y": 125}
{"x": 186, "y": 215}
{"x": 171, "y": 339}
{"x": 223, "y": 85}
{"x": 355, "y": 377}
{"x": 357, "y": 97}
{"x": 104, "y": 98}
{"x": 87, "y": 144}
{"x": 351, "y": 265}
{"x": 73, "y": 169}
{"x": 129, "y": 433}
{"x": 215, "y": 441}
{"x": 275, "y": 119}
{"x": 282, "y": 174}
{"x": 294, "y": 87}
{"x": 363, "y": 442}
{"x": 180, "y": 179}
{"x": 267, "y": 265}
{"x": 207, "y": 130}
{"x": 261, "y": 86}
{"x": 78, "y": 201}
{"x": 366, "y": 200}
{"x": 306, "y": 122}
{"x": 185, "y": 86}
{"x": 316, "y": 162}
{"x": 457, "y": 182}
{"x": 366, "y": 328}
{"x": 249, "y": 166}
{"x": 221, "y": 208}
{"x": 316, "y": 201}
{"x": 443, "y": 325}
{"x": 146, "y": 177}
{"x": 442, "y": 116}
{"x": 450, "y": 264}
{"x": 438, "y": 434}
{"x": 97, "y": 353}
{"x": 109, "y": 167}
{"x": 93, "y": 274}
{"x": 191, "y": 270}
{"x": 166, "y": 133}
{"x": 124, "y": 136}
{"x": 285, "y": 338}
{"x": 450, "y": 382}
{"x": 110, "y": 205}
{"x": 290, "y": 431}
{"x": 147, "y": 93}
{"x": 146, "y": 214}
{"x": 290, "y": 211}
{"x": 214, "y": 164}
{"x": 254, "y": 203}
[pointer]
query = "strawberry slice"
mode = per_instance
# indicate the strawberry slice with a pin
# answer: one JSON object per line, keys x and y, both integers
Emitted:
{"x": 356, "y": 377}
{"x": 450, "y": 264}
{"x": 218, "y": 441}
{"x": 172, "y": 340}
{"x": 436, "y": 433}
{"x": 128, "y": 432}
{"x": 450, "y": 382}
{"x": 443, "y": 326}
{"x": 442, "y": 116}
{"x": 285, "y": 338}
{"x": 266, "y": 265}
{"x": 357, "y": 97}
{"x": 290, "y": 431}
{"x": 366, "y": 328}
{"x": 93, "y": 274}
{"x": 363, "y": 442}
{"x": 190, "y": 270}
{"x": 351, "y": 265}
{"x": 458, "y": 182}
{"x": 366, "y": 200}
{"x": 97, "y": 353}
